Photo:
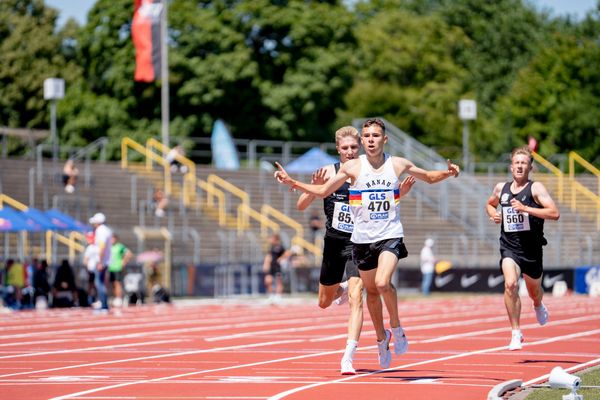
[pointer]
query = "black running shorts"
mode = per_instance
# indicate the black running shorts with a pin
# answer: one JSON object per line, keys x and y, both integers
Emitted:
{"x": 531, "y": 265}
{"x": 365, "y": 255}
{"x": 337, "y": 259}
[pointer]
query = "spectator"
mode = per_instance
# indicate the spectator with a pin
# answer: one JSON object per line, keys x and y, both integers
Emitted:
{"x": 91, "y": 258}
{"x": 160, "y": 202}
{"x": 173, "y": 159}
{"x": 119, "y": 258}
{"x": 14, "y": 282}
{"x": 427, "y": 266}
{"x": 70, "y": 173}
{"x": 41, "y": 285}
{"x": 272, "y": 267}
{"x": 102, "y": 239}
{"x": 64, "y": 290}
{"x": 316, "y": 225}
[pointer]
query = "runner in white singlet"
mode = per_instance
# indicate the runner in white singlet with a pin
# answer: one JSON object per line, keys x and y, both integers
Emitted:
{"x": 378, "y": 256}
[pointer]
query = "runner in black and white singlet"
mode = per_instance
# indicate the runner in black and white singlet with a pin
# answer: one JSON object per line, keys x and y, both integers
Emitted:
{"x": 524, "y": 205}
{"x": 337, "y": 249}
{"x": 377, "y": 258}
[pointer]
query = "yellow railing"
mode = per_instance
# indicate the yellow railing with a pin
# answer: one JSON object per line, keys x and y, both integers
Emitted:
{"x": 212, "y": 193}
{"x": 581, "y": 200}
{"x": 150, "y": 156}
{"x": 590, "y": 204}
{"x": 554, "y": 170}
{"x": 72, "y": 241}
{"x": 245, "y": 212}
{"x": 215, "y": 199}
{"x": 244, "y": 198}
{"x": 189, "y": 178}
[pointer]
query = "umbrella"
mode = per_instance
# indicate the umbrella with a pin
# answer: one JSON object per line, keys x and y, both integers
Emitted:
{"x": 150, "y": 256}
{"x": 65, "y": 222}
{"x": 12, "y": 221}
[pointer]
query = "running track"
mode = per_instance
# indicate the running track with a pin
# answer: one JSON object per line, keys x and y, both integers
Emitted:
{"x": 252, "y": 350}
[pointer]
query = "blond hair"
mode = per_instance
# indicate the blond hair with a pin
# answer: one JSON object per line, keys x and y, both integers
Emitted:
{"x": 526, "y": 151}
{"x": 346, "y": 131}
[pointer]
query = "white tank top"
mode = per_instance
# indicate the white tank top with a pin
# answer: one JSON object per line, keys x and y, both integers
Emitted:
{"x": 375, "y": 203}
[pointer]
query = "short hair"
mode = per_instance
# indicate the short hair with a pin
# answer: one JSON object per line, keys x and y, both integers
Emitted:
{"x": 346, "y": 131}
{"x": 525, "y": 150}
{"x": 374, "y": 121}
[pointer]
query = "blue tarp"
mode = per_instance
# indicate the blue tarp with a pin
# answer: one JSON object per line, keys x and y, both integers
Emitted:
{"x": 310, "y": 161}
{"x": 12, "y": 221}
{"x": 65, "y": 222}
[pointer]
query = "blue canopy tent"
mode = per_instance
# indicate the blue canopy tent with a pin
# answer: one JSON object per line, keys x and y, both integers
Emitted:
{"x": 38, "y": 220}
{"x": 12, "y": 221}
{"x": 310, "y": 161}
{"x": 65, "y": 222}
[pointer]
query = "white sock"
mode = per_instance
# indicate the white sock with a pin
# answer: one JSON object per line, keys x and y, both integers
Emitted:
{"x": 351, "y": 346}
{"x": 516, "y": 331}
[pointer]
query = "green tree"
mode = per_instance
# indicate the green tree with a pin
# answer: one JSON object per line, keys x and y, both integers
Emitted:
{"x": 31, "y": 52}
{"x": 408, "y": 74}
{"x": 556, "y": 98}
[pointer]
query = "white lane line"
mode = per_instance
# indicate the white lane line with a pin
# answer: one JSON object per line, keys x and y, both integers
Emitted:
{"x": 114, "y": 346}
{"x": 455, "y": 356}
{"x": 181, "y": 353}
{"x": 301, "y": 388}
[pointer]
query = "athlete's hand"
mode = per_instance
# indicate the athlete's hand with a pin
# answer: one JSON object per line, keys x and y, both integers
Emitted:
{"x": 453, "y": 169}
{"x": 497, "y": 218}
{"x": 517, "y": 205}
{"x": 282, "y": 177}
{"x": 406, "y": 185}
{"x": 318, "y": 177}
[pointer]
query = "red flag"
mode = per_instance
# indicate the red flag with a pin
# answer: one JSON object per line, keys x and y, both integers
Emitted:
{"x": 145, "y": 32}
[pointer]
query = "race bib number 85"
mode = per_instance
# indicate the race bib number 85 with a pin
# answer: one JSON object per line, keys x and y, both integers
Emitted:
{"x": 342, "y": 218}
{"x": 514, "y": 221}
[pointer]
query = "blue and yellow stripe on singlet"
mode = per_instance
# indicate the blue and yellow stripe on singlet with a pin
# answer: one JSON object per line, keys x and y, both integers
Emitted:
{"x": 355, "y": 198}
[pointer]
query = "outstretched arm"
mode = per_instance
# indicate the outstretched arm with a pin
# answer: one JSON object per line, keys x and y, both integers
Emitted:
{"x": 431, "y": 176}
{"x": 321, "y": 191}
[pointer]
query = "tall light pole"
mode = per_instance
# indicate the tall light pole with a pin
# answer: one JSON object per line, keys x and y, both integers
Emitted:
{"x": 467, "y": 111}
{"x": 54, "y": 89}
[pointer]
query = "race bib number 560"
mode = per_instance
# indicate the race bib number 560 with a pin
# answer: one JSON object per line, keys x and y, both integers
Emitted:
{"x": 514, "y": 221}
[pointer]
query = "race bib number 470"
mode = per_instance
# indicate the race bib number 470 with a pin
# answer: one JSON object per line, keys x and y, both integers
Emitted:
{"x": 379, "y": 205}
{"x": 514, "y": 221}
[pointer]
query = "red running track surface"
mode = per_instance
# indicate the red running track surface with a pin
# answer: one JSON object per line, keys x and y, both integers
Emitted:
{"x": 249, "y": 349}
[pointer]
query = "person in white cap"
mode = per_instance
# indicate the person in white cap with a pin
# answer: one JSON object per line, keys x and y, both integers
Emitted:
{"x": 103, "y": 239}
{"x": 427, "y": 266}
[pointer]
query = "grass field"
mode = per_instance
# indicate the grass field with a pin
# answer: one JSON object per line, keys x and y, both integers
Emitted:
{"x": 590, "y": 378}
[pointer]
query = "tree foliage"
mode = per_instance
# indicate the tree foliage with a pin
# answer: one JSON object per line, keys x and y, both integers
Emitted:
{"x": 296, "y": 70}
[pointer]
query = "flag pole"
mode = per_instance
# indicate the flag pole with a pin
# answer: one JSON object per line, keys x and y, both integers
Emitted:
{"x": 164, "y": 74}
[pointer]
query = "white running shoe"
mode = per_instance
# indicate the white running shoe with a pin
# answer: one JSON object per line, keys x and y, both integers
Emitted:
{"x": 400, "y": 343}
{"x": 384, "y": 353}
{"x": 343, "y": 299}
{"x": 516, "y": 342}
{"x": 346, "y": 367}
{"x": 541, "y": 313}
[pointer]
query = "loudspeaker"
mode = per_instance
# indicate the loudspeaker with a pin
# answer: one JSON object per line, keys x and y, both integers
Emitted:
{"x": 560, "y": 379}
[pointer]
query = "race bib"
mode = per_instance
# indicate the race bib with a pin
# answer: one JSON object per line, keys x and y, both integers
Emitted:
{"x": 342, "y": 218}
{"x": 379, "y": 206}
{"x": 514, "y": 221}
